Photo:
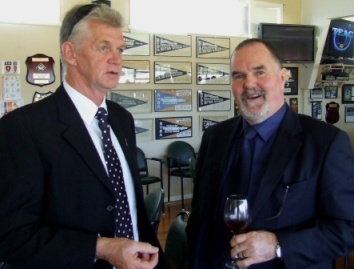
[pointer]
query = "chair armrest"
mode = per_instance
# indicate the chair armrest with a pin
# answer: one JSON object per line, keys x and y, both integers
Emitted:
{"x": 156, "y": 159}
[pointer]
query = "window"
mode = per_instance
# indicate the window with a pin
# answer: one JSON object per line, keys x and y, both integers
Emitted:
{"x": 210, "y": 17}
{"x": 30, "y": 12}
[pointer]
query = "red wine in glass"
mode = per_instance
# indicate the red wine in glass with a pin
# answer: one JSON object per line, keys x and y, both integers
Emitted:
{"x": 237, "y": 217}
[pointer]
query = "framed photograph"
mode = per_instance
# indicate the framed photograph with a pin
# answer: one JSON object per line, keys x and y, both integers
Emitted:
{"x": 135, "y": 101}
{"x": 173, "y": 100}
{"x": 294, "y": 104}
{"x": 331, "y": 92}
{"x": 143, "y": 129}
{"x": 213, "y": 73}
{"x": 213, "y": 47}
{"x": 173, "y": 45}
{"x": 316, "y": 110}
{"x": 349, "y": 114}
{"x": 173, "y": 72}
{"x": 206, "y": 121}
{"x": 174, "y": 127}
{"x": 291, "y": 85}
{"x": 135, "y": 72}
{"x": 136, "y": 44}
{"x": 214, "y": 100}
{"x": 348, "y": 94}
{"x": 316, "y": 93}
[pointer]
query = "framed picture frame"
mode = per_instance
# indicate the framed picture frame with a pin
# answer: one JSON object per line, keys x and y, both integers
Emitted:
{"x": 173, "y": 45}
{"x": 348, "y": 94}
{"x": 316, "y": 110}
{"x": 173, "y": 100}
{"x": 143, "y": 129}
{"x": 136, "y": 44}
{"x": 173, "y": 127}
{"x": 291, "y": 85}
{"x": 209, "y": 120}
{"x": 213, "y": 73}
{"x": 214, "y": 100}
{"x": 173, "y": 72}
{"x": 135, "y": 71}
{"x": 317, "y": 93}
{"x": 213, "y": 47}
{"x": 294, "y": 104}
{"x": 135, "y": 101}
{"x": 349, "y": 114}
{"x": 331, "y": 92}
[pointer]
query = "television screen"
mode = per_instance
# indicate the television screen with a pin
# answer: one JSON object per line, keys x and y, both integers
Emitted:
{"x": 295, "y": 43}
{"x": 339, "y": 41}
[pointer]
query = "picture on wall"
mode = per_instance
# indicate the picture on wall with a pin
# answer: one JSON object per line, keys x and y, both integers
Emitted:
{"x": 349, "y": 114}
{"x": 213, "y": 47}
{"x": 173, "y": 72}
{"x": 331, "y": 92}
{"x": 214, "y": 100}
{"x": 134, "y": 71}
{"x": 316, "y": 93}
{"x": 206, "y": 121}
{"x": 173, "y": 45}
{"x": 294, "y": 104}
{"x": 135, "y": 101}
{"x": 291, "y": 85}
{"x": 174, "y": 127}
{"x": 143, "y": 129}
{"x": 213, "y": 73}
{"x": 348, "y": 94}
{"x": 136, "y": 44}
{"x": 173, "y": 100}
{"x": 316, "y": 110}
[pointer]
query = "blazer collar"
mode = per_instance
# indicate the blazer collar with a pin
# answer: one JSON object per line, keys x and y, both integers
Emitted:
{"x": 75, "y": 132}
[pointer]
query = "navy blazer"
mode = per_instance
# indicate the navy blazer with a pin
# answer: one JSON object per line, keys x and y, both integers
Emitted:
{"x": 55, "y": 197}
{"x": 314, "y": 224}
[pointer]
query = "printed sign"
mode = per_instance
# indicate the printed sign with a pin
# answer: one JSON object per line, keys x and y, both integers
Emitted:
{"x": 176, "y": 127}
{"x": 217, "y": 100}
{"x": 10, "y": 67}
{"x": 173, "y": 100}
{"x": 173, "y": 45}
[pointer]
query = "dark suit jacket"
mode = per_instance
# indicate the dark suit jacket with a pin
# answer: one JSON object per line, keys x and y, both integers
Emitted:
{"x": 315, "y": 222}
{"x": 55, "y": 196}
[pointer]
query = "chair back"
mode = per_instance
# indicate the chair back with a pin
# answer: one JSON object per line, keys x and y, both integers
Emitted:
{"x": 176, "y": 242}
{"x": 154, "y": 204}
{"x": 142, "y": 163}
{"x": 179, "y": 153}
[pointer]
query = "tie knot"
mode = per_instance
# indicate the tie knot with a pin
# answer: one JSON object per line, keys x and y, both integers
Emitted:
{"x": 250, "y": 132}
{"x": 101, "y": 114}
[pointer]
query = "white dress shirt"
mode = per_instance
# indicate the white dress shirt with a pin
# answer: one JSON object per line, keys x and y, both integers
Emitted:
{"x": 87, "y": 110}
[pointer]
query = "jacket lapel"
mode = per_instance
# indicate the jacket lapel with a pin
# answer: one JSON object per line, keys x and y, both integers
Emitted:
{"x": 286, "y": 145}
{"x": 75, "y": 132}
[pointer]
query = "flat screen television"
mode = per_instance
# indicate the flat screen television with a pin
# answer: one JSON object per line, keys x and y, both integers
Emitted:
{"x": 294, "y": 42}
{"x": 339, "y": 40}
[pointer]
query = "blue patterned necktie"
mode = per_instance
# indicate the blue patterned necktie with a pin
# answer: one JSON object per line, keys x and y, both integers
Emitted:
{"x": 122, "y": 220}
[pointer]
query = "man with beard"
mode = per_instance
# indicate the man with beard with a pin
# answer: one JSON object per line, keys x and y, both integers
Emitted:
{"x": 299, "y": 183}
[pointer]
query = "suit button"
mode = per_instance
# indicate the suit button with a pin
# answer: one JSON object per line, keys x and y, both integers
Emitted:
{"x": 110, "y": 208}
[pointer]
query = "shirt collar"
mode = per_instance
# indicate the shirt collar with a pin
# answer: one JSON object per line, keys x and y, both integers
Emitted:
{"x": 86, "y": 108}
{"x": 268, "y": 127}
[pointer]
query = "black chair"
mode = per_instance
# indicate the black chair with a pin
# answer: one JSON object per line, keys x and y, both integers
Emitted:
{"x": 176, "y": 242}
{"x": 178, "y": 157}
{"x": 154, "y": 205}
{"x": 146, "y": 178}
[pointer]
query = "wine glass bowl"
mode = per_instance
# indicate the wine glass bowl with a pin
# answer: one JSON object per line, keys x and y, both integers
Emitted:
{"x": 237, "y": 217}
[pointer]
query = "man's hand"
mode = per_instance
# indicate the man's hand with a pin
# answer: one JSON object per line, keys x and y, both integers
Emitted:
{"x": 253, "y": 247}
{"x": 124, "y": 253}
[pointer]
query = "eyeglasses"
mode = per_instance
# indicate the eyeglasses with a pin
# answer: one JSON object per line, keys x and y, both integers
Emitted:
{"x": 80, "y": 14}
{"x": 282, "y": 204}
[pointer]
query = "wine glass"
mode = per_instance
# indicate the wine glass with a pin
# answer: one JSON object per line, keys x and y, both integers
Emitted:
{"x": 237, "y": 218}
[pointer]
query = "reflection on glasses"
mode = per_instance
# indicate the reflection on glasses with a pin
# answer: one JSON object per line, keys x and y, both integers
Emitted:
{"x": 282, "y": 204}
{"x": 80, "y": 14}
